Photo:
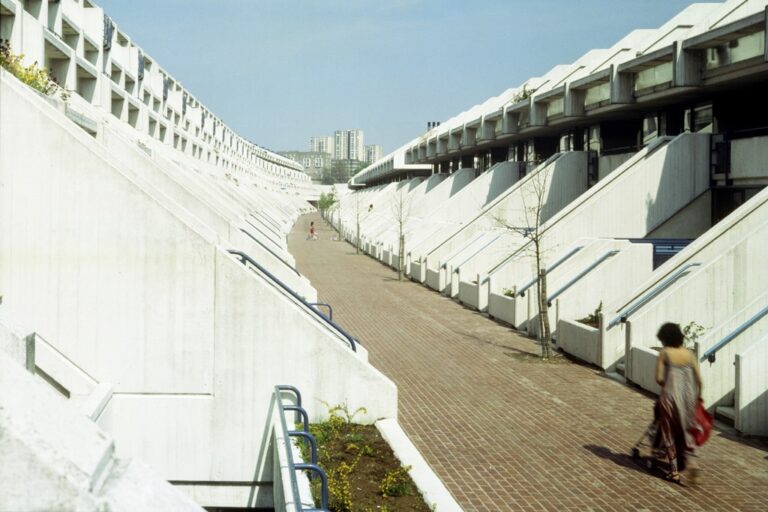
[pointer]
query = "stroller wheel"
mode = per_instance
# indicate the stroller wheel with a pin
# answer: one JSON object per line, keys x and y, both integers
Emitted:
{"x": 635, "y": 453}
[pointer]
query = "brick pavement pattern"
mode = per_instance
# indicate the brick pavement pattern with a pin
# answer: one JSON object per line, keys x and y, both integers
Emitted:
{"x": 501, "y": 429}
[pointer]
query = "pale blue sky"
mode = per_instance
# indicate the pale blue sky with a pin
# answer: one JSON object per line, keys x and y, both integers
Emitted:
{"x": 280, "y": 71}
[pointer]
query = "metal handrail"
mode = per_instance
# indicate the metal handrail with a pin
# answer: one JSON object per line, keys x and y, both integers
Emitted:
{"x": 274, "y": 230}
{"x": 581, "y": 274}
{"x": 301, "y": 415}
{"x": 642, "y": 301}
{"x": 323, "y": 486}
{"x": 245, "y": 258}
{"x": 292, "y": 389}
{"x": 292, "y": 466}
{"x": 324, "y": 304}
{"x": 498, "y": 199}
{"x": 273, "y": 253}
{"x": 521, "y": 291}
{"x": 709, "y": 355}
{"x": 476, "y": 253}
{"x": 458, "y": 250}
{"x": 266, "y": 236}
{"x": 308, "y": 437}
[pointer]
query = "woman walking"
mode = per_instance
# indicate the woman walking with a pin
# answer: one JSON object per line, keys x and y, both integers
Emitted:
{"x": 677, "y": 372}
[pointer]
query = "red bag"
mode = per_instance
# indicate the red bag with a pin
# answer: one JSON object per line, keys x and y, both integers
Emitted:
{"x": 703, "y": 427}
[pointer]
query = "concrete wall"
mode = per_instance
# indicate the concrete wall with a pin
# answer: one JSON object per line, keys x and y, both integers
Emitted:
{"x": 605, "y": 283}
{"x": 751, "y": 404}
{"x": 749, "y": 158}
{"x": 579, "y": 340}
{"x": 630, "y": 202}
{"x": 133, "y": 288}
{"x": 54, "y": 458}
{"x": 643, "y": 368}
{"x": 690, "y": 222}
{"x": 719, "y": 377}
{"x": 731, "y": 275}
{"x": 462, "y": 207}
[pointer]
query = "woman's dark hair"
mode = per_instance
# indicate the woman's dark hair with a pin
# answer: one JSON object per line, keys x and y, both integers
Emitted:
{"x": 670, "y": 335}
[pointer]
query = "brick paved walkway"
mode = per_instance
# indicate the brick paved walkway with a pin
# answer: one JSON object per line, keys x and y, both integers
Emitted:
{"x": 503, "y": 432}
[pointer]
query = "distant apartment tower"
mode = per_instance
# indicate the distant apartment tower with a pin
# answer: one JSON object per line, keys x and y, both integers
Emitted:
{"x": 348, "y": 145}
{"x": 373, "y": 152}
{"x": 323, "y": 144}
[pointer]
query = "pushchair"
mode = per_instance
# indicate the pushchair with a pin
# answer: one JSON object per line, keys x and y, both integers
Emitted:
{"x": 649, "y": 449}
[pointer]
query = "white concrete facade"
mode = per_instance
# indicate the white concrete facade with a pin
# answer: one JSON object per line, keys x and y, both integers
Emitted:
{"x": 94, "y": 59}
{"x": 114, "y": 240}
{"x": 665, "y": 133}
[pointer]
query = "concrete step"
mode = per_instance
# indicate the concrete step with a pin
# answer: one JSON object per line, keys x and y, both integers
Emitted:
{"x": 620, "y": 368}
{"x": 726, "y": 413}
{"x": 617, "y": 377}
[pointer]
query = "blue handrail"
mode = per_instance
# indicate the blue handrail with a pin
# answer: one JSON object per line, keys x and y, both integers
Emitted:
{"x": 292, "y": 466}
{"x": 276, "y": 232}
{"x": 642, "y": 301}
{"x": 323, "y": 486}
{"x": 245, "y": 258}
{"x": 309, "y": 438}
{"x": 324, "y": 304}
{"x": 273, "y": 253}
{"x": 581, "y": 274}
{"x": 476, "y": 253}
{"x": 292, "y": 389}
{"x": 266, "y": 236}
{"x": 709, "y": 355}
{"x": 521, "y": 291}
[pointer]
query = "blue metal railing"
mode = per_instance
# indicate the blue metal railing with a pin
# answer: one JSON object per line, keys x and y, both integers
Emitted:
{"x": 244, "y": 258}
{"x": 521, "y": 291}
{"x": 273, "y": 253}
{"x": 581, "y": 274}
{"x": 326, "y": 305}
{"x": 292, "y": 466}
{"x": 709, "y": 355}
{"x": 642, "y": 301}
{"x": 266, "y": 236}
{"x": 476, "y": 253}
{"x": 274, "y": 230}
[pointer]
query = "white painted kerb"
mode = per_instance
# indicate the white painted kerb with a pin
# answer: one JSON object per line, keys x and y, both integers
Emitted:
{"x": 432, "y": 488}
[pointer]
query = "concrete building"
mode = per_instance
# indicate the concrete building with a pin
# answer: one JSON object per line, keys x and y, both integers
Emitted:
{"x": 648, "y": 158}
{"x": 349, "y": 145}
{"x": 144, "y": 254}
{"x": 315, "y": 163}
{"x": 322, "y": 144}
{"x": 373, "y": 153}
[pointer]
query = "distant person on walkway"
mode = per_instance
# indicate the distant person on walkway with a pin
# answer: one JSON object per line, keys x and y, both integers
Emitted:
{"x": 677, "y": 372}
{"x": 312, "y": 235}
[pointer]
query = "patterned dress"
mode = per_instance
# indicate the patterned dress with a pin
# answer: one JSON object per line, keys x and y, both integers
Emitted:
{"x": 677, "y": 405}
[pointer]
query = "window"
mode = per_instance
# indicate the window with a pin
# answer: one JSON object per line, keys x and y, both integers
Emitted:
{"x": 747, "y": 47}
{"x": 318, "y": 162}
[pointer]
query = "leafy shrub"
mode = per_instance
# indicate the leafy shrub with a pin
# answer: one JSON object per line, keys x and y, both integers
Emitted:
{"x": 31, "y": 75}
{"x": 396, "y": 483}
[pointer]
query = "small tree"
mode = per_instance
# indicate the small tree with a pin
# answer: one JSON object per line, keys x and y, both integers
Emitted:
{"x": 530, "y": 229}
{"x": 327, "y": 200}
{"x": 401, "y": 209}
